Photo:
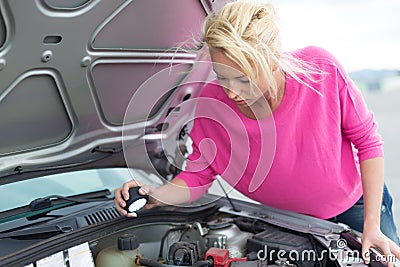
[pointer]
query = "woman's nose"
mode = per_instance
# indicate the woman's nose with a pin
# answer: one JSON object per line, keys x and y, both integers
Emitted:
{"x": 232, "y": 94}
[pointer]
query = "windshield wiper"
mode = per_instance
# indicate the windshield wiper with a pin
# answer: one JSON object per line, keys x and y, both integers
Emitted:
{"x": 50, "y": 201}
{"x": 37, "y": 233}
{"x": 45, "y": 204}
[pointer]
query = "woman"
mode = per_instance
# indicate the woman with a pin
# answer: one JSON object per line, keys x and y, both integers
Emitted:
{"x": 326, "y": 158}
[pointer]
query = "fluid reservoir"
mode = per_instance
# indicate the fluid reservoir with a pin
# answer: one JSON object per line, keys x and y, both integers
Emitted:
{"x": 122, "y": 255}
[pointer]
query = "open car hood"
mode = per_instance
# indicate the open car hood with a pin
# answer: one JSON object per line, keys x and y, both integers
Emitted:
{"x": 78, "y": 78}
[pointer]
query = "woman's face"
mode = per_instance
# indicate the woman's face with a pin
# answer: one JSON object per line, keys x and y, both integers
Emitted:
{"x": 231, "y": 77}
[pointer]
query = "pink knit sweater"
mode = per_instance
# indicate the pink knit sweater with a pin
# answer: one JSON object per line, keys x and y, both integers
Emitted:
{"x": 304, "y": 158}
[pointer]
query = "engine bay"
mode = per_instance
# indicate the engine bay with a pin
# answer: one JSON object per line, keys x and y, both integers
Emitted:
{"x": 222, "y": 240}
{"x": 219, "y": 242}
{"x": 212, "y": 235}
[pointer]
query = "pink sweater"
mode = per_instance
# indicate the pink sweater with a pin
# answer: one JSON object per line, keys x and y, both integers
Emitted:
{"x": 304, "y": 158}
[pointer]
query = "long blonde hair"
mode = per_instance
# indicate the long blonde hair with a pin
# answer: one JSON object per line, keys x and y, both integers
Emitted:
{"x": 248, "y": 34}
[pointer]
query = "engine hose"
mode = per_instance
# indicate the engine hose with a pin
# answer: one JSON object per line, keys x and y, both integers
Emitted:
{"x": 153, "y": 263}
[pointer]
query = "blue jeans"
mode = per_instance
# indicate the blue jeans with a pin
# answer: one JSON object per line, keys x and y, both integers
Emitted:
{"x": 354, "y": 217}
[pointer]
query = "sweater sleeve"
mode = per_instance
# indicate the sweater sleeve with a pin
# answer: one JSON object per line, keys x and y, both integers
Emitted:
{"x": 198, "y": 173}
{"x": 358, "y": 122}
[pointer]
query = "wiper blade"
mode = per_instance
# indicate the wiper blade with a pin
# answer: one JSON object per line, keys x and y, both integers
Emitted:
{"x": 40, "y": 206}
{"x": 39, "y": 232}
{"x": 48, "y": 201}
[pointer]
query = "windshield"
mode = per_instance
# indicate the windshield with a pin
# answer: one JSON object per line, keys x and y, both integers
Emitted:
{"x": 73, "y": 183}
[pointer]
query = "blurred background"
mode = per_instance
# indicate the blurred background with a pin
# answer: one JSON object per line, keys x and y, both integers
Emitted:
{"x": 365, "y": 37}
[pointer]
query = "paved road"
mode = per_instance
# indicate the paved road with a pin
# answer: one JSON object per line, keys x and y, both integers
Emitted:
{"x": 386, "y": 106}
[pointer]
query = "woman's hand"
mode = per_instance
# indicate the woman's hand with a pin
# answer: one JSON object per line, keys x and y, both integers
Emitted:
{"x": 373, "y": 238}
{"x": 122, "y": 195}
{"x": 175, "y": 192}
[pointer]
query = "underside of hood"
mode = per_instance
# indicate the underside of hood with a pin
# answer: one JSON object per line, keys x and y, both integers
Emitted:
{"x": 84, "y": 83}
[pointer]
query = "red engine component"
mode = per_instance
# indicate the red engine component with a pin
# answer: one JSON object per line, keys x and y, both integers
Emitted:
{"x": 220, "y": 257}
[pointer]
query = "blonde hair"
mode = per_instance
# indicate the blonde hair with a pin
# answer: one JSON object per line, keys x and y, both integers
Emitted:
{"x": 248, "y": 34}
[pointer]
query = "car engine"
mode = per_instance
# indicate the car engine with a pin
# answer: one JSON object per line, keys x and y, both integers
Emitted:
{"x": 222, "y": 242}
